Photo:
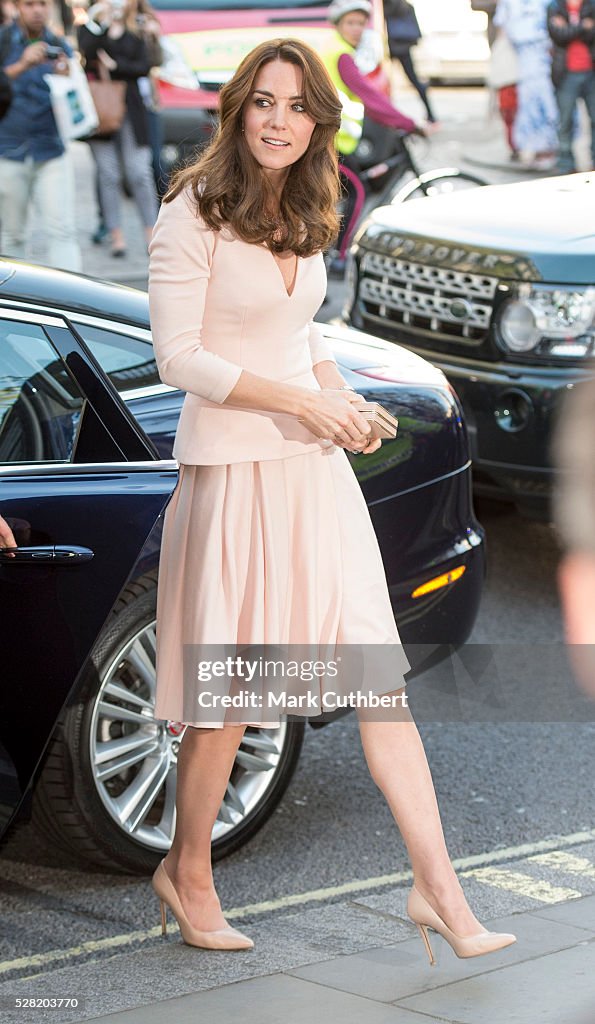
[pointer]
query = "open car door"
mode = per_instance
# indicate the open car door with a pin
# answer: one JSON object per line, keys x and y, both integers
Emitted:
{"x": 82, "y": 488}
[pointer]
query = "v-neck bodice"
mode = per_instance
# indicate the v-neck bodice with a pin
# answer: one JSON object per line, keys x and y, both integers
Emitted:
{"x": 294, "y": 265}
{"x": 220, "y": 305}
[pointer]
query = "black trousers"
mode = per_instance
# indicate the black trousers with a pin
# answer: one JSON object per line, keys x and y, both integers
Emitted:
{"x": 404, "y": 56}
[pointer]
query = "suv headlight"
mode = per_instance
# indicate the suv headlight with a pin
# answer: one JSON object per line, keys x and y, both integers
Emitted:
{"x": 548, "y": 321}
{"x": 175, "y": 69}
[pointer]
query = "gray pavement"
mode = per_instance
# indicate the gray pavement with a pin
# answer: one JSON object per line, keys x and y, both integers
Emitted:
{"x": 545, "y": 977}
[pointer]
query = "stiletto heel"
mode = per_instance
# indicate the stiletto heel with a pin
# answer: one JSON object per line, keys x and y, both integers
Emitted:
{"x": 222, "y": 938}
{"x": 423, "y": 931}
{"x": 424, "y": 916}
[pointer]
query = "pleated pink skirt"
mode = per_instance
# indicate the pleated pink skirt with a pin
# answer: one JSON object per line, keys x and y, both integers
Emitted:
{"x": 280, "y": 551}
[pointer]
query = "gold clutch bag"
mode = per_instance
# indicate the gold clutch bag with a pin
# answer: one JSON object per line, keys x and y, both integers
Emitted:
{"x": 381, "y": 422}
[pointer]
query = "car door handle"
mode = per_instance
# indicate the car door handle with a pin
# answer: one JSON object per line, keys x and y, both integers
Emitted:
{"x": 57, "y": 554}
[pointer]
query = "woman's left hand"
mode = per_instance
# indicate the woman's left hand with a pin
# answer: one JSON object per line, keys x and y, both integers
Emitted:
{"x": 371, "y": 446}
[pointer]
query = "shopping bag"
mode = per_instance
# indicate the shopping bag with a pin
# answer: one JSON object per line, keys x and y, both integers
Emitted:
{"x": 72, "y": 104}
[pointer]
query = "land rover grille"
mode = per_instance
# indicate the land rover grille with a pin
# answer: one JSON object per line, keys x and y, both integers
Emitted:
{"x": 425, "y": 298}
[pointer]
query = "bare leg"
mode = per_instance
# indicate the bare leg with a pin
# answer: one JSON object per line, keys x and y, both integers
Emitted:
{"x": 117, "y": 238}
{"x": 205, "y": 761}
{"x": 397, "y": 762}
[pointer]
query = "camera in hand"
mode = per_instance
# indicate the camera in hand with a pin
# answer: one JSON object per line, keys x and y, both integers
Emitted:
{"x": 53, "y": 52}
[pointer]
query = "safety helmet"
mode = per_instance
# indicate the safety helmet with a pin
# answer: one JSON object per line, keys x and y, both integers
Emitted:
{"x": 340, "y": 7}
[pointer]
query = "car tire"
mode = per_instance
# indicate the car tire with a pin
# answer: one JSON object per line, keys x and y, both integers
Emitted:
{"x": 75, "y": 810}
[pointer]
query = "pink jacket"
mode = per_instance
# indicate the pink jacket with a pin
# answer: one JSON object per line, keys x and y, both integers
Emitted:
{"x": 219, "y": 305}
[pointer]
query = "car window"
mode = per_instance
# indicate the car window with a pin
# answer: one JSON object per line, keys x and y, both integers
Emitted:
{"x": 128, "y": 362}
{"x": 40, "y": 403}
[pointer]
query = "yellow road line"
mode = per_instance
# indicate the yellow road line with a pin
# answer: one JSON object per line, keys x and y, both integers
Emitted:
{"x": 526, "y": 885}
{"x": 565, "y": 862}
{"x": 93, "y": 946}
{"x": 462, "y": 865}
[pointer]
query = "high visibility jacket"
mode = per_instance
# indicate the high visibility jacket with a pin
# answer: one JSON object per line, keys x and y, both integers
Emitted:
{"x": 352, "y": 114}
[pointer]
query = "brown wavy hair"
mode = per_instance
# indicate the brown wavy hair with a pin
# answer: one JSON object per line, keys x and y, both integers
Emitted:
{"x": 230, "y": 187}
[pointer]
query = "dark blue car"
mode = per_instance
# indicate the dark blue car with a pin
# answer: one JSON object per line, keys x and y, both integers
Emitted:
{"x": 86, "y": 433}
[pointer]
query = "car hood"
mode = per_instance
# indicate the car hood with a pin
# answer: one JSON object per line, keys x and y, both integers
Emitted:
{"x": 538, "y": 230}
{"x": 358, "y": 351}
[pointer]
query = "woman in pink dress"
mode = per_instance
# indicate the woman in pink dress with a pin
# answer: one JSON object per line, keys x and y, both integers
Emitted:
{"x": 267, "y": 538}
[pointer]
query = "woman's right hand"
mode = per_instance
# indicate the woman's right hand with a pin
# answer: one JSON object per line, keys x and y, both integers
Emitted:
{"x": 34, "y": 54}
{"x": 333, "y": 416}
{"x": 99, "y": 13}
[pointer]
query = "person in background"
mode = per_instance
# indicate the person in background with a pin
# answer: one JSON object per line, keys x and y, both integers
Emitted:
{"x": 502, "y": 77}
{"x": 358, "y": 98}
{"x": 403, "y": 33}
{"x": 571, "y": 25}
{"x": 502, "y": 72}
{"x": 8, "y": 13}
{"x": 535, "y": 130}
{"x": 34, "y": 164}
{"x": 508, "y": 105}
{"x": 110, "y": 38}
{"x": 573, "y": 445}
{"x": 150, "y": 30}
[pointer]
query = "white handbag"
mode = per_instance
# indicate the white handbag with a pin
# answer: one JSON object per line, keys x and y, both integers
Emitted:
{"x": 503, "y": 66}
{"x": 72, "y": 103}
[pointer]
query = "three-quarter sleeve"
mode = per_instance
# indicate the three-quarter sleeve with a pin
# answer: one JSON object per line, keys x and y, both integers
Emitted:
{"x": 319, "y": 346}
{"x": 181, "y": 251}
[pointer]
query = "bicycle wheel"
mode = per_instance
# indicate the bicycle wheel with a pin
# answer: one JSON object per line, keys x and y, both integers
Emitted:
{"x": 436, "y": 183}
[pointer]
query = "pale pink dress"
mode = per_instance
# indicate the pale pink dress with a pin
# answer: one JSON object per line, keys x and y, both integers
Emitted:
{"x": 267, "y": 538}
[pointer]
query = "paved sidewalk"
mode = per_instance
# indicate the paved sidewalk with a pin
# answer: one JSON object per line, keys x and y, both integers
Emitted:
{"x": 547, "y": 977}
{"x": 357, "y": 959}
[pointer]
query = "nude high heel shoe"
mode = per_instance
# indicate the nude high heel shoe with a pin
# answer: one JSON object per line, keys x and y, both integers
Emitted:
{"x": 424, "y": 916}
{"x": 224, "y": 938}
